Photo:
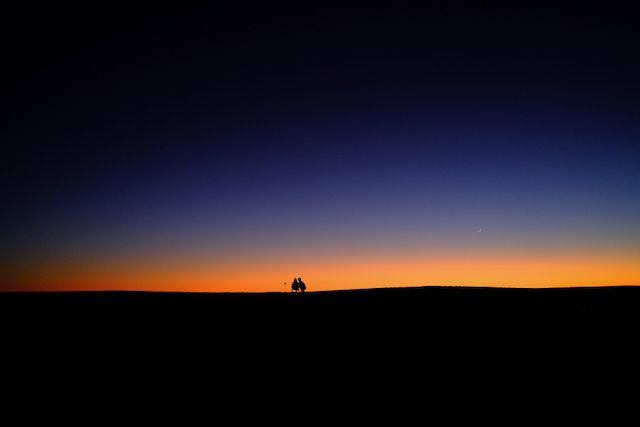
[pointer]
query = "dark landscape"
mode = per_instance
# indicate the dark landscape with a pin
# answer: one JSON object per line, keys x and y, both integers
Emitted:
{"x": 380, "y": 310}
{"x": 230, "y": 145}
{"x": 377, "y": 354}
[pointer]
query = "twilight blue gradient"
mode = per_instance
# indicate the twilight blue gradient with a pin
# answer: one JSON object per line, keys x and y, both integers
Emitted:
{"x": 400, "y": 134}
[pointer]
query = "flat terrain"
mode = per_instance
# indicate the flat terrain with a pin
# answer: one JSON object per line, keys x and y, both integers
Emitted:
{"x": 460, "y": 302}
{"x": 382, "y": 312}
{"x": 375, "y": 355}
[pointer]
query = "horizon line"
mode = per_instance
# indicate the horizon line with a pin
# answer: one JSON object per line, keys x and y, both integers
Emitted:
{"x": 314, "y": 292}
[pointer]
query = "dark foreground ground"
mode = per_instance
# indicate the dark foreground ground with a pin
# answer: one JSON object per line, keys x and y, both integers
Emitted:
{"x": 384, "y": 355}
{"x": 370, "y": 309}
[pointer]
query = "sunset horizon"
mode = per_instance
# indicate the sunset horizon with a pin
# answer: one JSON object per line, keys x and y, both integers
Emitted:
{"x": 228, "y": 148}
{"x": 508, "y": 273}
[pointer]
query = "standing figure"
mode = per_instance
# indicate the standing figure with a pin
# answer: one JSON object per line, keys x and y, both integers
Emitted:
{"x": 294, "y": 286}
{"x": 301, "y": 285}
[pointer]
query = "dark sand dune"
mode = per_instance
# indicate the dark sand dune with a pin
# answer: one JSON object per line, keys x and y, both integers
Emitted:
{"x": 370, "y": 315}
{"x": 383, "y": 355}
{"x": 459, "y": 302}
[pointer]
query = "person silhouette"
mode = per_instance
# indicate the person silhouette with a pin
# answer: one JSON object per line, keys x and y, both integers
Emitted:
{"x": 294, "y": 285}
{"x": 301, "y": 285}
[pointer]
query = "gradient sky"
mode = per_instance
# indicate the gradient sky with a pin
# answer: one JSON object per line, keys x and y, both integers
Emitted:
{"x": 234, "y": 147}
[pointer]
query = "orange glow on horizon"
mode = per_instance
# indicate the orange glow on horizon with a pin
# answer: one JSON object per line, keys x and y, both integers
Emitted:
{"x": 330, "y": 274}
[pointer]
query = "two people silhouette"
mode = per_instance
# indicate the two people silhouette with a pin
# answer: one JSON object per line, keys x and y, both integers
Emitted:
{"x": 298, "y": 284}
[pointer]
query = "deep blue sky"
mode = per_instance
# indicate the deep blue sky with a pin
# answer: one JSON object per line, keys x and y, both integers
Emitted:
{"x": 166, "y": 131}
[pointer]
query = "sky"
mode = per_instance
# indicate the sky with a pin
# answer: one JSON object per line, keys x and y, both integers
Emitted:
{"x": 234, "y": 146}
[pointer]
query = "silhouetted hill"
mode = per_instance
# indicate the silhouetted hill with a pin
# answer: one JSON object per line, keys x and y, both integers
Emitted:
{"x": 570, "y": 304}
{"x": 401, "y": 309}
{"x": 379, "y": 355}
